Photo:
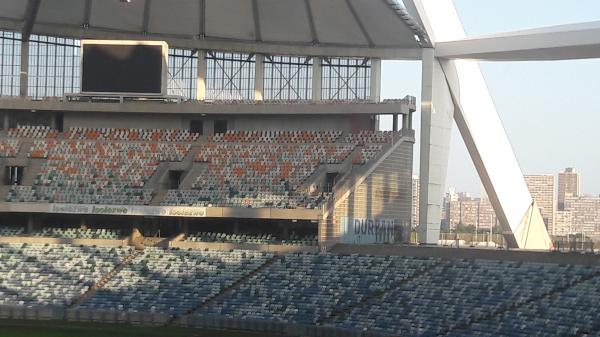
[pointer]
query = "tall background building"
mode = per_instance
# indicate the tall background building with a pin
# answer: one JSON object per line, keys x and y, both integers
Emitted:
{"x": 565, "y": 211}
{"x": 541, "y": 188}
{"x": 568, "y": 186}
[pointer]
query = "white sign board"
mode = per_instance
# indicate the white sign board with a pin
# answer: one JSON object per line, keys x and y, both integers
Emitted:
{"x": 363, "y": 230}
{"x": 128, "y": 210}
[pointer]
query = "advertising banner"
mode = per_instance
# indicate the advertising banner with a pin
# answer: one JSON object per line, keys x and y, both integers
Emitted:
{"x": 128, "y": 210}
{"x": 361, "y": 230}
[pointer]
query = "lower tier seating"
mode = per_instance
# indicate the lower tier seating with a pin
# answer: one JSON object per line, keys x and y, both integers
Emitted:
{"x": 303, "y": 288}
{"x": 390, "y": 295}
{"x": 11, "y": 231}
{"x": 572, "y": 312}
{"x": 174, "y": 281}
{"x": 457, "y": 293}
{"x": 263, "y": 239}
{"x": 42, "y": 275}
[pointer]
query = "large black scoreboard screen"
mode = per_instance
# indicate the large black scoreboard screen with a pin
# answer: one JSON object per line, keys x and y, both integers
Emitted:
{"x": 122, "y": 68}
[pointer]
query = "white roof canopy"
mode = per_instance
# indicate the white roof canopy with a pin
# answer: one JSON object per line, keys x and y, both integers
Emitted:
{"x": 376, "y": 28}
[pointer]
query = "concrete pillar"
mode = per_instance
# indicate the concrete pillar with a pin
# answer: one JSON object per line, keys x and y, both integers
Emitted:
{"x": 201, "y": 80}
{"x": 375, "y": 89}
{"x": 23, "y": 77}
{"x": 259, "y": 77}
{"x": 286, "y": 232}
{"x": 437, "y": 111}
{"x": 30, "y": 223}
{"x": 53, "y": 120}
{"x": 316, "y": 79}
{"x": 6, "y": 120}
{"x": 395, "y": 122}
{"x": 186, "y": 226}
{"x": 410, "y": 118}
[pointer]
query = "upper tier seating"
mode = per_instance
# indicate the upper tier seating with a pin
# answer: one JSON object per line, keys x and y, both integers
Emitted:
{"x": 459, "y": 292}
{"x": 9, "y": 147}
{"x": 41, "y": 275}
{"x": 174, "y": 281}
{"x": 303, "y": 288}
{"x": 367, "y": 153}
{"x": 95, "y": 172}
{"x": 257, "y": 169}
{"x": 251, "y": 169}
{"x": 11, "y": 231}
{"x": 32, "y": 131}
{"x": 154, "y": 135}
{"x": 79, "y": 233}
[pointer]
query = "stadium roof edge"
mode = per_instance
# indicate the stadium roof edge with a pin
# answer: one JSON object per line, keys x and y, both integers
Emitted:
{"x": 339, "y": 28}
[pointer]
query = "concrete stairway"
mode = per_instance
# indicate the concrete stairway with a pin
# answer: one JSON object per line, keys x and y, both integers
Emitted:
{"x": 158, "y": 184}
{"x": 105, "y": 279}
{"x": 196, "y": 170}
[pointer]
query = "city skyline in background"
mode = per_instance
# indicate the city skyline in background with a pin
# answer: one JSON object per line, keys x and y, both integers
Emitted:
{"x": 564, "y": 208}
{"x": 549, "y": 109}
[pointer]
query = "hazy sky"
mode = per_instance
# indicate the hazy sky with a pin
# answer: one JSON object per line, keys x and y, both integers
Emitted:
{"x": 550, "y": 110}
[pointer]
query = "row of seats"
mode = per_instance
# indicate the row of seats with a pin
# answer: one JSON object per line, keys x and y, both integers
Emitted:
{"x": 93, "y": 150}
{"x": 279, "y": 137}
{"x": 263, "y": 239}
{"x": 11, "y": 231}
{"x": 107, "y": 195}
{"x": 174, "y": 281}
{"x": 366, "y": 137}
{"x": 32, "y": 131}
{"x": 287, "y": 101}
{"x": 52, "y": 275}
{"x": 212, "y": 197}
{"x": 78, "y": 233}
{"x": 9, "y": 147}
{"x": 154, "y": 135}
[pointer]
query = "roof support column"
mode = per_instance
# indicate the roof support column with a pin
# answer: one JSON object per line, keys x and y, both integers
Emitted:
{"x": 316, "y": 79}
{"x": 375, "y": 89}
{"x": 259, "y": 78}
{"x": 437, "y": 109}
{"x": 201, "y": 80}
{"x": 24, "y": 72}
